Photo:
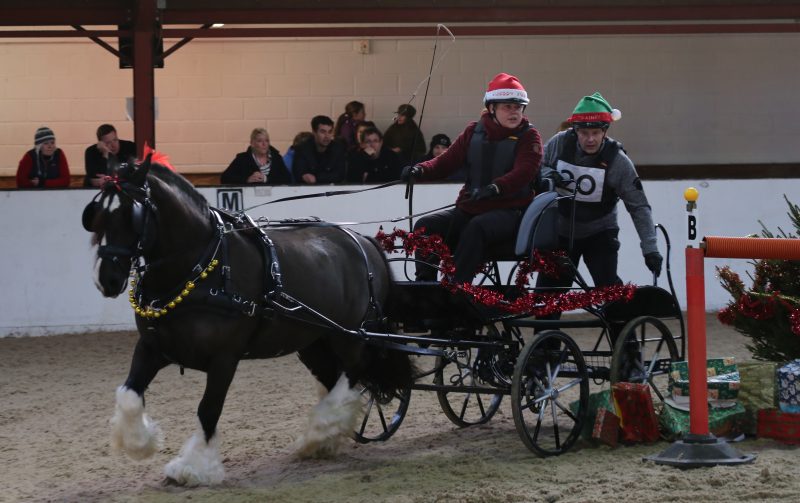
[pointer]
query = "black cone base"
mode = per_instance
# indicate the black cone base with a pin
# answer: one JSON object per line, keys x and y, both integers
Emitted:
{"x": 695, "y": 451}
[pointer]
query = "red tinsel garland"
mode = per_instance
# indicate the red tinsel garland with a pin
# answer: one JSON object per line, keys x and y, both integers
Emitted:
{"x": 536, "y": 304}
{"x": 794, "y": 321}
{"x": 759, "y": 309}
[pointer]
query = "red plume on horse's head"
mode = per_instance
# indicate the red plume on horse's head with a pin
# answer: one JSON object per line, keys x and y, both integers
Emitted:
{"x": 157, "y": 158}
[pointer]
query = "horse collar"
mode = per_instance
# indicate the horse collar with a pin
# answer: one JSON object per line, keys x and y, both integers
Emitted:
{"x": 198, "y": 273}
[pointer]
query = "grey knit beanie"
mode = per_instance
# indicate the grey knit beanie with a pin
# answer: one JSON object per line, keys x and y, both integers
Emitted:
{"x": 42, "y": 135}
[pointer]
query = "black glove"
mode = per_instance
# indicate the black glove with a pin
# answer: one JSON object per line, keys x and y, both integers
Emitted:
{"x": 486, "y": 192}
{"x": 410, "y": 172}
{"x": 653, "y": 261}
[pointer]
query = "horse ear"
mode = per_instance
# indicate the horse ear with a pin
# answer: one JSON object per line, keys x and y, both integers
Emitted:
{"x": 140, "y": 175}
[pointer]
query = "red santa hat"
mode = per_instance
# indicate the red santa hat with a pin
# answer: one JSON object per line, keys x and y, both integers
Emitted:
{"x": 505, "y": 88}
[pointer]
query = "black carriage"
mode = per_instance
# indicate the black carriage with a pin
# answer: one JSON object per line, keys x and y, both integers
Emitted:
{"x": 481, "y": 354}
{"x": 209, "y": 289}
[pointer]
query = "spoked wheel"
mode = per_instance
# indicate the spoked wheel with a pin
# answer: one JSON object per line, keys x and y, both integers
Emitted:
{"x": 382, "y": 415}
{"x": 465, "y": 408}
{"x": 643, "y": 353}
{"x": 550, "y": 375}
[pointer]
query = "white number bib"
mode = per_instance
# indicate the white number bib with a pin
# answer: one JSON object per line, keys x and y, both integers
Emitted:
{"x": 590, "y": 181}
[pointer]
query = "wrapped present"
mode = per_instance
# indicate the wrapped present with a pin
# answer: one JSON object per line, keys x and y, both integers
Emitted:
{"x": 727, "y": 422}
{"x": 606, "y": 427}
{"x": 722, "y": 377}
{"x": 637, "y": 416}
{"x": 757, "y": 390}
{"x": 597, "y": 401}
{"x": 789, "y": 387}
{"x": 782, "y": 426}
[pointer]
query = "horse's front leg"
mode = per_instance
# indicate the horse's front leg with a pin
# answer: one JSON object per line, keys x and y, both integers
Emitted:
{"x": 132, "y": 431}
{"x": 199, "y": 462}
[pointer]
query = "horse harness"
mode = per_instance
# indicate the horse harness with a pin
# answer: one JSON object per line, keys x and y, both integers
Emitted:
{"x": 216, "y": 255}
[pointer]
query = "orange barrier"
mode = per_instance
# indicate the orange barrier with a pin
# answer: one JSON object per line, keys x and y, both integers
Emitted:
{"x": 755, "y": 248}
{"x": 696, "y": 320}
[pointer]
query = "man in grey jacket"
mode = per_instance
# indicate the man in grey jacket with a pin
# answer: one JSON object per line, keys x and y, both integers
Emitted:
{"x": 604, "y": 174}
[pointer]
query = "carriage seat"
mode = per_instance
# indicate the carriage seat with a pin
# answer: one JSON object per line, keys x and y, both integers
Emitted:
{"x": 538, "y": 230}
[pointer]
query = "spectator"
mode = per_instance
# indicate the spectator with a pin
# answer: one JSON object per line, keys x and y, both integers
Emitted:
{"x": 45, "y": 165}
{"x": 288, "y": 157}
{"x": 502, "y": 152}
{"x": 320, "y": 160}
{"x": 260, "y": 163}
{"x": 373, "y": 163}
{"x": 360, "y": 129}
{"x": 104, "y": 157}
{"x": 404, "y": 136}
{"x": 346, "y": 124}
{"x": 439, "y": 144}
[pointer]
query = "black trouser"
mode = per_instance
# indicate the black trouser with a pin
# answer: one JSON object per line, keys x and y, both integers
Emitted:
{"x": 469, "y": 235}
{"x": 599, "y": 251}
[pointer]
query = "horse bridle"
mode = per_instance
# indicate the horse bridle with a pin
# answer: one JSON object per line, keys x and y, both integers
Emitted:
{"x": 143, "y": 217}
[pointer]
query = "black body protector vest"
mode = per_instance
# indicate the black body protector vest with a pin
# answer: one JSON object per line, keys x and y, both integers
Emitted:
{"x": 594, "y": 198}
{"x": 487, "y": 160}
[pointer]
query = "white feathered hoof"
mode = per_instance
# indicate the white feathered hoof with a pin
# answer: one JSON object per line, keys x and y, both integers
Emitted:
{"x": 132, "y": 432}
{"x": 332, "y": 421}
{"x": 198, "y": 464}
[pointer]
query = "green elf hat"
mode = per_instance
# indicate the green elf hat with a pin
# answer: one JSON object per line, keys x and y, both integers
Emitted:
{"x": 594, "y": 108}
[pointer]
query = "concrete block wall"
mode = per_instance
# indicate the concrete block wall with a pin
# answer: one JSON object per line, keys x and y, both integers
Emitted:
{"x": 688, "y": 99}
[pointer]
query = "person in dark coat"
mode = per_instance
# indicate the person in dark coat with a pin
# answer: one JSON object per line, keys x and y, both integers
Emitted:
{"x": 321, "y": 160}
{"x": 261, "y": 163}
{"x": 404, "y": 136}
{"x": 373, "y": 163}
{"x": 104, "y": 157}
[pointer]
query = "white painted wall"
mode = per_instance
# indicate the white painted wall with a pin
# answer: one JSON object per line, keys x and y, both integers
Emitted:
{"x": 46, "y": 261}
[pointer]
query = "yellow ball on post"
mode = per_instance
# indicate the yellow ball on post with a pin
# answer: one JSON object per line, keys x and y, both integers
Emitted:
{"x": 691, "y": 194}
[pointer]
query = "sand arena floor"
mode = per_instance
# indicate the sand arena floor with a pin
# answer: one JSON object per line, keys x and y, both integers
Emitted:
{"x": 57, "y": 394}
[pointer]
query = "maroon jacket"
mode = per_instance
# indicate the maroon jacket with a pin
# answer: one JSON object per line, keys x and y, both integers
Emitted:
{"x": 524, "y": 172}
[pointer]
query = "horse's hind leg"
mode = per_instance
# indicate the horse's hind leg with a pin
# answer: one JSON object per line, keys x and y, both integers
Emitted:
{"x": 199, "y": 462}
{"x": 334, "y": 417}
{"x": 132, "y": 431}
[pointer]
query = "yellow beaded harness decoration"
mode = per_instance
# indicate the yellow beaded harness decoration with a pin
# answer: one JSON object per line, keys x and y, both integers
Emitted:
{"x": 152, "y": 312}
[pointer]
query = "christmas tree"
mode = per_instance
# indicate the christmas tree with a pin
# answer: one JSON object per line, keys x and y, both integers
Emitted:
{"x": 769, "y": 311}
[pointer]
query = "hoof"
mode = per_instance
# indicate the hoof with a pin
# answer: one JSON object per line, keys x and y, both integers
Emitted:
{"x": 332, "y": 420}
{"x": 198, "y": 464}
{"x": 132, "y": 432}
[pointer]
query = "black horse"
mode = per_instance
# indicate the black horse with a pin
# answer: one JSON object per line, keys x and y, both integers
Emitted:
{"x": 210, "y": 291}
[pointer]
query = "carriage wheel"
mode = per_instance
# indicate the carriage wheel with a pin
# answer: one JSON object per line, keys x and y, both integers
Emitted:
{"x": 465, "y": 408}
{"x": 643, "y": 353}
{"x": 382, "y": 415}
{"x": 550, "y": 374}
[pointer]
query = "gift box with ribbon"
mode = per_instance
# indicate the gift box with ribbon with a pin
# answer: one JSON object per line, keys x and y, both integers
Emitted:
{"x": 637, "y": 415}
{"x": 789, "y": 387}
{"x": 722, "y": 377}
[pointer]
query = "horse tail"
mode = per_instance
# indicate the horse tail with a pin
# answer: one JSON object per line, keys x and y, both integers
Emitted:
{"x": 387, "y": 371}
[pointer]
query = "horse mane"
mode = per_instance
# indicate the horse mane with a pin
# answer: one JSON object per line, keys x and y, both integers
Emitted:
{"x": 182, "y": 185}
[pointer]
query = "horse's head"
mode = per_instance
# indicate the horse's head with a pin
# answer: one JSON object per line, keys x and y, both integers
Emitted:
{"x": 123, "y": 218}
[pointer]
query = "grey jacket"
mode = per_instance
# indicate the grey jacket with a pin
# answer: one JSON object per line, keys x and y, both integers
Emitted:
{"x": 619, "y": 176}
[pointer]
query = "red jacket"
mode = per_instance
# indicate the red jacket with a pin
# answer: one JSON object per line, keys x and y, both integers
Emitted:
{"x": 56, "y": 172}
{"x": 522, "y": 174}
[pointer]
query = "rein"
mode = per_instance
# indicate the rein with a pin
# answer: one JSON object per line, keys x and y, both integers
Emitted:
{"x": 323, "y": 194}
{"x": 316, "y": 222}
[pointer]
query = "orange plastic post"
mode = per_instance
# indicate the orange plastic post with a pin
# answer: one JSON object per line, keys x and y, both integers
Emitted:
{"x": 696, "y": 318}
